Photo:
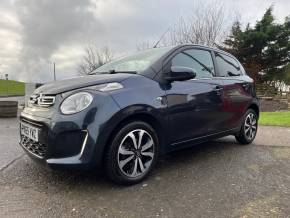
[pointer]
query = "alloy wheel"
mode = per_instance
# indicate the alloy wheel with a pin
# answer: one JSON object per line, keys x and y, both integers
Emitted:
{"x": 136, "y": 153}
{"x": 250, "y": 126}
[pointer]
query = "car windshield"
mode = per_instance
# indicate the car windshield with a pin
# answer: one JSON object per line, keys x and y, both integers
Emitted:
{"x": 133, "y": 63}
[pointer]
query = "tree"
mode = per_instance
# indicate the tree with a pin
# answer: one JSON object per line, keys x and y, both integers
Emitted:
{"x": 264, "y": 49}
{"x": 234, "y": 42}
{"x": 94, "y": 58}
{"x": 277, "y": 54}
{"x": 205, "y": 26}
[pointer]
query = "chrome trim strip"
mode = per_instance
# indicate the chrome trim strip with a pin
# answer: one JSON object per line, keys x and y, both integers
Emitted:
{"x": 84, "y": 142}
{"x": 22, "y": 120}
{"x": 42, "y": 100}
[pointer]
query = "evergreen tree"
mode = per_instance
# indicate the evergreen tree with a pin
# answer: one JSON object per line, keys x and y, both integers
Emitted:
{"x": 264, "y": 50}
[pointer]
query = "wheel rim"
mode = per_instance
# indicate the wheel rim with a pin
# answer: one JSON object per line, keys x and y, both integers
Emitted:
{"x": 136, "y": 153}
{"x": 250, "y": 126}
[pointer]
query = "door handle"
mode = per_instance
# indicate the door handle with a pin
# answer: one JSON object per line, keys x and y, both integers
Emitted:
{"x": 218, "y": 88}
{"x": 246, "y": 85}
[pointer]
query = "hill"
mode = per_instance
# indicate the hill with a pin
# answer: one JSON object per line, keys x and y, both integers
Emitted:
{"x": 11, "y": 88}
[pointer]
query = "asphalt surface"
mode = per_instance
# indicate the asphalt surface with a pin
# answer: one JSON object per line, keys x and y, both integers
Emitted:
{"x": 215, "y": 179}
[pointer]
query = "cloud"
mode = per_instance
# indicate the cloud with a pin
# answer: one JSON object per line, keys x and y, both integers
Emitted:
{"x": 57, "y": 30}
{"x": 35, "y": 33}
{"x": 46, "y": 26}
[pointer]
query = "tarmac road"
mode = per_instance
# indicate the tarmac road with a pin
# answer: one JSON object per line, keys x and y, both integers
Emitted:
{"x": 216, "y": 179}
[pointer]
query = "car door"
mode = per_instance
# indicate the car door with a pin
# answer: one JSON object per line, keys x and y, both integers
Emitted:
{"x": 237, "y": 88}
{"x": 194, "y": 106}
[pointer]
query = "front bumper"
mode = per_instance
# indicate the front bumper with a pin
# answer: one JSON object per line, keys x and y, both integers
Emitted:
{"x": 58, "y": 149}
{"x": 74, "y": 141}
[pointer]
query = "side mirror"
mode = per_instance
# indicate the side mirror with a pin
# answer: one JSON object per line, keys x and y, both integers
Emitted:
{"x": 179, "y": 73}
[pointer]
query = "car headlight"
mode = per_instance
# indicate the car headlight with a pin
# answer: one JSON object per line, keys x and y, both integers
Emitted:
{"x": 76, "y": 103}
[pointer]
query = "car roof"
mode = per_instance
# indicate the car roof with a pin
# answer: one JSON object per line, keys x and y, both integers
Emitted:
{"x": 202, "y": 46}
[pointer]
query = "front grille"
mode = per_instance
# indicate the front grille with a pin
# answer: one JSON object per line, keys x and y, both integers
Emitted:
{"x": 36, "y": 148}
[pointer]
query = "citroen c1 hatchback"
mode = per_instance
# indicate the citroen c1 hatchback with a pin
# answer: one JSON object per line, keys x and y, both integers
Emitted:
{"x": 131, "y": 110}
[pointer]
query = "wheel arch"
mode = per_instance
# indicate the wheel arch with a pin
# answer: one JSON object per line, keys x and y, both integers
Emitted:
{"x": 140, "y": 116}
{"x": 255, "y": 107}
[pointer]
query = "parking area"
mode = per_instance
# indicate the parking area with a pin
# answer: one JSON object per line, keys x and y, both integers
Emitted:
{"x": 215, "y": 179}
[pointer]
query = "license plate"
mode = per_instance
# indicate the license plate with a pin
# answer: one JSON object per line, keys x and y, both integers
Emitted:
{"x": 29, "y": 131}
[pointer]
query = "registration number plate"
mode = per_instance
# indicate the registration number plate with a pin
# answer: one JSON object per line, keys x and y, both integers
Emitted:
{"x": 29, "y": 131}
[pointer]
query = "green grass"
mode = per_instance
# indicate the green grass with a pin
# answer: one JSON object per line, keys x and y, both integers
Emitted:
{"x": 11, "y": 88}
{"x": 275, "y": 118}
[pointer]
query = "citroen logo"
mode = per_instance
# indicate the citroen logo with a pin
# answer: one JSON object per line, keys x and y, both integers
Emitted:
{"x": 36, "y": 98}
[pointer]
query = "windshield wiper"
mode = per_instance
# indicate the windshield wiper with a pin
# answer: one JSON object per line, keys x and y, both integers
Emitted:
{"x": 113, "y": 72}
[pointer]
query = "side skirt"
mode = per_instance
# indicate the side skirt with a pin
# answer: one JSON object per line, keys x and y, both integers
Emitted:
{"x": 201, "y": 139}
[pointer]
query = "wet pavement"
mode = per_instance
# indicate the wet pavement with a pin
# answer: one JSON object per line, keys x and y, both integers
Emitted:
{"x": 216, "y": 179}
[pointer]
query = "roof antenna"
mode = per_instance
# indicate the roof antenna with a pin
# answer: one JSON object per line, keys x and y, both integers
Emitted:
{"x": 162, "y": 36}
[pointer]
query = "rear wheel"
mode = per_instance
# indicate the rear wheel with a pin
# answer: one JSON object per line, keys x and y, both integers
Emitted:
{"x": 132, "y": 154}
{"x": 249, "y": 128}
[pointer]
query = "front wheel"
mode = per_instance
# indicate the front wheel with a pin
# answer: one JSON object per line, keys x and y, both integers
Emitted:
{"x": 132, "y": 153}
{"x": 249, "y": 128}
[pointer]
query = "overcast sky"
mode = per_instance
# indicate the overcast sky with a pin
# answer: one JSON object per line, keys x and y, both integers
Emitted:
{"x": 36, "y": 33}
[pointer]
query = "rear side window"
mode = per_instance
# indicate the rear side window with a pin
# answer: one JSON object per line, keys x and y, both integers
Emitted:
{"x": 227, "y": 66}
{"x": 199, "y": 60}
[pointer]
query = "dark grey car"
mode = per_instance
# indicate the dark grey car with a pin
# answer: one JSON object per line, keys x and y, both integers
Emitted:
{"x": 130, "y": 111}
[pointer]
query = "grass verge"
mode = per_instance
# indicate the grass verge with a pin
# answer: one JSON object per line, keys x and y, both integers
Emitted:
{"x": 11, "y": 88}
{"x": 275, "y": 118}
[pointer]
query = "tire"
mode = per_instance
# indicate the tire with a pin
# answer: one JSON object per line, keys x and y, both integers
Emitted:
{"x": 249, "y": 128}
{"x": 126, "y": 162}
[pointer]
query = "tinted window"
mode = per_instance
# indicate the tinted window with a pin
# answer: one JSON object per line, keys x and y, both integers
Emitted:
{"x": 199, "y": 60}
{"x": 227, "y": 65}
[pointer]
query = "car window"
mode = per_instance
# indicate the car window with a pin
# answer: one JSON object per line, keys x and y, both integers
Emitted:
{"x": 199, "y": 60}
{"x": 137, "y": 62}
{"x": 227, "y": 66}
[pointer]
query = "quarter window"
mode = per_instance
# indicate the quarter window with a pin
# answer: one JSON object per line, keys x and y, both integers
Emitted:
{"x": 227, "y": 66}
{"x": 199, "y": 60}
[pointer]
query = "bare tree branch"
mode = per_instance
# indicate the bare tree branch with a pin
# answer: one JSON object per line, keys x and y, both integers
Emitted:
{"x": 94, "y": 58}
{"x": 206, "y": 26}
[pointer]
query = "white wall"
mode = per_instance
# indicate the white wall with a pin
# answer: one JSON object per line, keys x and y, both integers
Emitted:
{"x": 29, "y": 88}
